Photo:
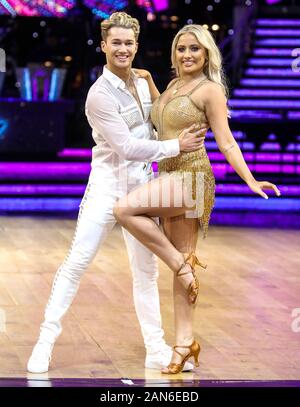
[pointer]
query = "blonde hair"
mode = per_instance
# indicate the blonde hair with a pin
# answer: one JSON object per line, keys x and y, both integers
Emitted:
{"x": 120, "y": 19}
{"x": 213, "y": 67}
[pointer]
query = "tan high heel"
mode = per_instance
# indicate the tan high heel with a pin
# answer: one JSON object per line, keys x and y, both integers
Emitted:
{"x": 174, "y": 368}
{"x": 193, "y": 288}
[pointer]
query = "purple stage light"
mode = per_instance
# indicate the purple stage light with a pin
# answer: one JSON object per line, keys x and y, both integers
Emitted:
{"x": 278, "y": 42}
{"x": 270, "y": 147}
{"x": 45, "y": 189}
{"x": 271, "y": 82}
{"x": 264, "y": 103}
{"x": 272, "y": 52}
{"x": 25, "y": 170}
{"x": 278, "y": 22}
{"x": 73, "y": 190}
{"x": 254, "y": 204}
{"x": 293, "y": 147}
{"x": 75, "y": 152}
{"x": 222, "y": 203}
{"x": 39, "y": 204}
{"x": 33, "y": 8}
{"x": 262, "y": 32}
{"x": 272, "y": 1}
{"x": 238, "y": 189}
{"x": 259, "y": 157}
{"x": 267, "y": 93}
{"x": 71, "y": 171}
{"x": 86, "y": 153}
{"x": 160, "y": 5}
{"x": 104, "y": 8}
{"x": 293, "y": 115}
{"x": 255, "y": 114}
{"x": 271, "y": 72}
{"x": 269, "y": 168}
{"x": 269, "y": 62}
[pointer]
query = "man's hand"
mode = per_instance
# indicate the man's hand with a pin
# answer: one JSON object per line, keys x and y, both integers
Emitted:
{"x": 192, "y": 138}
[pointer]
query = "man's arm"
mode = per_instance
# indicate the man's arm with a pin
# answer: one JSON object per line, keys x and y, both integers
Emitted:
{"x": 102, "y": 114}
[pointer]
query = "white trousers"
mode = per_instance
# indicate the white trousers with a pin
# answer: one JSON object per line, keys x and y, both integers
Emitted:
{"x": 94, "y": 222}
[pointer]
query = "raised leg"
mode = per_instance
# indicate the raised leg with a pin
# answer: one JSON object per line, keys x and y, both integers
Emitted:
{"x": 135, "y": 213}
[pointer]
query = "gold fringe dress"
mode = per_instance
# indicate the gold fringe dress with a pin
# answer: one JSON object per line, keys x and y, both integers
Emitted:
{"x": 179, "y": 113}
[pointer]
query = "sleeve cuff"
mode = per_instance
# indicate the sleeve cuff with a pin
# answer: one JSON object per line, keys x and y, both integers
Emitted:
{"x": 172, "y": 147}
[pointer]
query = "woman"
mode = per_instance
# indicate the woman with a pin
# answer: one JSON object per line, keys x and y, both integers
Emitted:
{"x": 197, "y": 95}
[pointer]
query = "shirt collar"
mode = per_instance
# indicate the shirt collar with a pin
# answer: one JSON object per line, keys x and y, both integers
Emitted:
{"x": 115, "y": 80}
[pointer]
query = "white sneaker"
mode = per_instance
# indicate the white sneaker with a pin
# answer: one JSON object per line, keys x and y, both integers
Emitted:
{"x": 162, "y": 359}
{"x": 40, "y": 358}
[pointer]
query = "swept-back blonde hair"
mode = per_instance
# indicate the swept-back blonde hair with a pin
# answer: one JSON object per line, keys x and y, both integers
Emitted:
{"x": 120, "y": 19}
{"x": 213, "y": 67}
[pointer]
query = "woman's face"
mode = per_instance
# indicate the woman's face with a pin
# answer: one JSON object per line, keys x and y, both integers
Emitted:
{"x": 190, "y": 55}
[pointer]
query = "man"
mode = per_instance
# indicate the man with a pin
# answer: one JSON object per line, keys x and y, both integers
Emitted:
{"x": 117, "y": 108}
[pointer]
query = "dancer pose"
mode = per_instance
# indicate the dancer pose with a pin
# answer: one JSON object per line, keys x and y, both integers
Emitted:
{"x": 117, "y": 108}
{"x": 183, "y": 195}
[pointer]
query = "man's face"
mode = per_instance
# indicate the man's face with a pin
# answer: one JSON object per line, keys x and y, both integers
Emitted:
{"x": 120, "y": 47}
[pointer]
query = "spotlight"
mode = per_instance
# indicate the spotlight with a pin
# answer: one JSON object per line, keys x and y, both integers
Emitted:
{"x": 68, "y": 58}
{"x": 190, "y": 21}
{"x": 48, "y": 64}
{"x": 42, "y": 23}
{"x": 174, "y": 18}
{"x": 151, "y": 16}
{"x": 35, "y": 35}
{"x": 98, "y": 49}
{"x": 210, "y": 8}
{"x": 215, "y": 27}
{"x": 90, "y": 42}
{"x": 205, "y": 26}
{"x": 230, "y": 31}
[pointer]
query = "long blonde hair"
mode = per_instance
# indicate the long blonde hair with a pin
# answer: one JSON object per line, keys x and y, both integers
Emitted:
{"x": 213, "y": 67}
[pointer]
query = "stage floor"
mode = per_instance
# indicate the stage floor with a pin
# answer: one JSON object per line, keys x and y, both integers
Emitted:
{"x": 245, "y": 317}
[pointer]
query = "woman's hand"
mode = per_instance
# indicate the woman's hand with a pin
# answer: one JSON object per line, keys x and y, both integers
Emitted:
{"x": 142, "y": 73}
{"x": 258, "y": 186}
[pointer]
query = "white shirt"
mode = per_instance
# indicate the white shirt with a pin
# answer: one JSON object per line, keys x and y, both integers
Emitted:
{"x": 122, "y": 133}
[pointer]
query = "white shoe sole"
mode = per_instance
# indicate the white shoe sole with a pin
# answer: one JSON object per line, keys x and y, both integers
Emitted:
{"x": 31, "y": 369}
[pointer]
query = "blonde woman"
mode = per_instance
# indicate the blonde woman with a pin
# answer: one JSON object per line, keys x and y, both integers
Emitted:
{"x": 196, "y": 95}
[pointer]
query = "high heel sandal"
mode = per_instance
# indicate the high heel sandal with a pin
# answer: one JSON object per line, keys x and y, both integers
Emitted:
{"x": 193, "y": 288}
{"x": 174, "y": 368}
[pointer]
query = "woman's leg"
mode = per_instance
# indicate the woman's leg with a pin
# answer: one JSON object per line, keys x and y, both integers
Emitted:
{"x": 183, "y": 234}
{"x": 163, "y": 197}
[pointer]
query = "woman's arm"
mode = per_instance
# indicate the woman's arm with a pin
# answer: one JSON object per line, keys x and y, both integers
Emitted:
{"x": 216, "y": 112}
{"x": 143, "y": 73}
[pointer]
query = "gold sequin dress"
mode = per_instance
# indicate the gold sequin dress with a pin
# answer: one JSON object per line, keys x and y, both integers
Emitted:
{"x": 169, "y": 119}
